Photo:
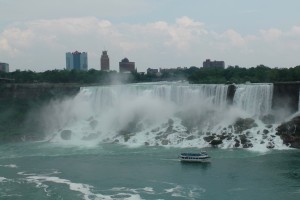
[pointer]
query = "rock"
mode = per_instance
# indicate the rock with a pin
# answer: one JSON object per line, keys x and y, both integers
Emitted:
{"x": 268, "y": 119}
{"x": 247, "y": 145}
{"x": 146, "y": 143}
{"x": 269, "y": 126}
{"x": 270, "y": 145}
{"x": 116, "y": 141}
{"x": 237, "y": 143}
{"x": 66, "y": 134}
{"x": 170, "y": 122}
{"x": 245, "y": 142}
{"x": 165, "y": 142}
{"x": 209, "y": 138}
{"x": 289, "y": 132}
{"x": 127, "y": 137}
{"x": 216, "y": 142}
{"x": 191, "y": 137}
{"x": 265, "y": 131}
{"x": 93, "y": 124}
{"x": 243, "y": 124}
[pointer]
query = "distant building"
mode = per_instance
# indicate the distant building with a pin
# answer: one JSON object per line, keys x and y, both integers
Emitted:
{"x": 104, "y": 61}
{"x": 77, "y": 61}
{"x": 126, "y": 66}
{"x": 152, "y": 71}
{"x": 4, "y": 67}
{"x": 213, "y": 64}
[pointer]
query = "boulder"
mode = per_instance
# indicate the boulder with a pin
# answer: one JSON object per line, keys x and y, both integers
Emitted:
{"x": 243, "y": 124}
{"x": 289, "y": 132}
{"x": 66, "y": 134}
{"x": 216, "y": 142}
{"x": 93, "y": 124}
{"x": 268, "y": 119}
{"x": 209, "y": 138}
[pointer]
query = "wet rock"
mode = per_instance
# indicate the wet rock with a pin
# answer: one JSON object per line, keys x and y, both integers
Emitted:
{"x": 93, "y": 124}
{"x": 289, "y": 132}
{"x": 191, "y": 137}
{"x": 270, "y": 145}
{"x": 247, "y": 145}
{"x": 66, "y": 134}
{"x": 216, "y": 142}
{"x": 209, "y": 138}
{"x": 146, "y": 143}
{"x": 170, "y": 122}
{"x": 269, "y": 126}
{"x": 165, "y": 142}
{"x": 116, "y": 141}
{"x": 245, "y": 142}
{"x": 268, "y": 119}
{"x": 243, "y": 139}
{"x": 126, "y": 137}
{"x": 265, "y": 131}
{"x": 237, "y": 143}
{"x": 243, "y": 124}
{"x": 264, "y": 137}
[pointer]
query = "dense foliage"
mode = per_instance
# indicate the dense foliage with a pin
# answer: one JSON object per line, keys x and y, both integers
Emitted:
{"x": 232, "y": 74}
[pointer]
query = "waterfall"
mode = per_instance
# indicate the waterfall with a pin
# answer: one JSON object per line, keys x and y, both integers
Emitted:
{"x": 102, "y": 98}
{"x": 255, "y": 99}
{"x": 176, "y": 114}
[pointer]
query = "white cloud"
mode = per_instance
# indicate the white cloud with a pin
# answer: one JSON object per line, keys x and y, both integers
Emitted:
{"x": 271, "y": 34}
{"x": 185, "y": 42}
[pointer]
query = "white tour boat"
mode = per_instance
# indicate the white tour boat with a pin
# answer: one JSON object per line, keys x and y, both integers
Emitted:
{"x": 194, "y": 157}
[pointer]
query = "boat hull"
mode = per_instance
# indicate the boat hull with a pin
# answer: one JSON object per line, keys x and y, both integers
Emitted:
{"x": 195, "y": 160}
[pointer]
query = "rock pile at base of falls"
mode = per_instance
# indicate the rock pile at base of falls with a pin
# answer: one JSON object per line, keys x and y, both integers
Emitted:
{"x": 233, "y": 132}
{"x": 289, "y": 132}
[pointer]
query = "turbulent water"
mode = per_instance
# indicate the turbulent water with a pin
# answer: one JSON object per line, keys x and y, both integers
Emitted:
{"x": 112, "y": 171}
{"x": 122, "y": 142}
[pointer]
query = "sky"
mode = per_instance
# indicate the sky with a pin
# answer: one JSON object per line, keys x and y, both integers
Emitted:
{"x": 36, "y": 34}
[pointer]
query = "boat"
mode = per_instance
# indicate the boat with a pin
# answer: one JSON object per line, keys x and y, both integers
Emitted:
{"x": 194, "y": 157}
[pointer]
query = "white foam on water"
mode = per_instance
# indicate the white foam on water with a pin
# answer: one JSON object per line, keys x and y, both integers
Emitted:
{"x": 9, "y": 166}
{"x": 84, "y": 189}
{"x": 2, "y": 179}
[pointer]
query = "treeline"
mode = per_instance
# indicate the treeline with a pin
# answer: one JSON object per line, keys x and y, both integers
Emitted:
{"x": 236, "y": 74}
{"x": 232, "y": 74}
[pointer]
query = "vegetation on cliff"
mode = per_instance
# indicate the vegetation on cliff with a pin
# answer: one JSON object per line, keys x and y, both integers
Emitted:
{"x": 233, "y": 74}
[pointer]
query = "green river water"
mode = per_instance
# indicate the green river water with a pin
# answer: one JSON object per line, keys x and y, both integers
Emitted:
{"x": 45, "y": 170}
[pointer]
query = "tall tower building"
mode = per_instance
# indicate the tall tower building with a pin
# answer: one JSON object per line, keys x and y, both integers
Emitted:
{"x": 104, "y": 61}
{"x": 4, "y": 67}
{"x": 77, "y": 60}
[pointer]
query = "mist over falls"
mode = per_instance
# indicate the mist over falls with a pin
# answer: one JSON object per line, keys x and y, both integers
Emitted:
{"x": 166, "y": 114}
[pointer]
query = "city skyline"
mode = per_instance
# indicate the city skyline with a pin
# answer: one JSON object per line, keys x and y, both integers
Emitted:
{"x": 155, "y": 34}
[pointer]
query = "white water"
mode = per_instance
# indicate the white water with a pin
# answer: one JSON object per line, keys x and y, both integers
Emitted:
{"x": 165, "y": 114}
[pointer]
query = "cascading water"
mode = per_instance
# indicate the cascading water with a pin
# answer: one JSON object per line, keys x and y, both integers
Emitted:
{"x": 255, "y": 99}
{"x": 166, "y": 114}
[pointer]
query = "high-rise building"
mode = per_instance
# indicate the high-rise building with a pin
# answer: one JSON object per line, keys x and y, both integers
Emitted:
{"x": 104, "y": 61}
{"x": 4, "y": 67}
{"x": 126, "y": 66}
{"x": 77, "y": 61}
{"x": 213, "y": 64}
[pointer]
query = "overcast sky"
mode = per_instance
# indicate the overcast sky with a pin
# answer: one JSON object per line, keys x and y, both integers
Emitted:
{"x": 36, "y": 34}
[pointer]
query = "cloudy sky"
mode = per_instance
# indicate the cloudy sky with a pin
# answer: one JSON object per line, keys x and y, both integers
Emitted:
{"x": 36, "y": 34}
